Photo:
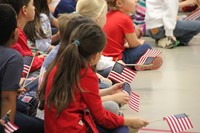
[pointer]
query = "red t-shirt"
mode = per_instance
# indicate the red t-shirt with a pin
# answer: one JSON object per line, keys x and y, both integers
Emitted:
{"x": 71, "y": 119}
{"x": 22, "y": 47}
{"x": 117, "y": 25}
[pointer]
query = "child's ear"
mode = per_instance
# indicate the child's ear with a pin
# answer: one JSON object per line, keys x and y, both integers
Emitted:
{"x": 119, "y": 3}
{"x": 24, "y": 10}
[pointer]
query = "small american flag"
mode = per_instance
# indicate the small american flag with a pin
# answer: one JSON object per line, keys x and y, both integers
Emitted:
{"x": 134, "y": 101}
{"x": 148, "y": 57}
{"x": 120, "y": 73}
{"x": 9, "y": 127}
{"x": 134, "y": 98}
{"x": 193, "y": 16}
{"x": 27, "y": 64}
{"x": 178, "y": 123}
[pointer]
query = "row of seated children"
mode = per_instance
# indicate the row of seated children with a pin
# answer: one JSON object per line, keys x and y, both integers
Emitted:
{"x": 129, "y": 122}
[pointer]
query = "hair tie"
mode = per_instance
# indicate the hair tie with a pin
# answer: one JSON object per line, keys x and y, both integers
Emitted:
{"x": 77, "y": 42}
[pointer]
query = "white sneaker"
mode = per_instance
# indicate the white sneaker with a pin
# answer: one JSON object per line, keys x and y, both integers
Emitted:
{"x": 166, "y": 42}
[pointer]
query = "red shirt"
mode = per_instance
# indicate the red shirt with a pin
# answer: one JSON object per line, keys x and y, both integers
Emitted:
{"x": 117, "y": 25}
{"x": 22, "y": 47}
{"x": 71, "y": 119}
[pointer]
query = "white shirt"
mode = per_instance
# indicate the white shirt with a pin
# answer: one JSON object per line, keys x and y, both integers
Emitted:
{"x": 162, "y": 13}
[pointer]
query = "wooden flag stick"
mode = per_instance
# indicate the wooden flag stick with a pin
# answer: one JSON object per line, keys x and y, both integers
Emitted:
{"x": 138, "y": 65}
{"x": 155, "y": 120}
{"x": 8, "y": 112}
{"x": 34, "y": 79}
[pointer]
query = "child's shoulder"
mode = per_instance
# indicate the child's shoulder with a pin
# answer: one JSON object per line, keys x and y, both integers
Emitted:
{"x": 118, "y": 14}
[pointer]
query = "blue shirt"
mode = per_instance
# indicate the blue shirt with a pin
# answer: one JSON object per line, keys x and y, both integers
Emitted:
{"x": 65, "y": 6}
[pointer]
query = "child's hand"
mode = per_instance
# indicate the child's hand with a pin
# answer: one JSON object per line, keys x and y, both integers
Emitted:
{"x": 173, "y": 37}
{"x": 21, "y": 91}
{"x": 121, "y": 62}
{"x": 138, "y": 31}
{"x": 141, "y": 41}
{"x": 40, "y": 56}
{"x": 120, "y": 97}
{"x": 136, "y": 123}
{"x": 2, "y": 122}
{"x": 191, "y": 2}
{"x": 116, "y": 88}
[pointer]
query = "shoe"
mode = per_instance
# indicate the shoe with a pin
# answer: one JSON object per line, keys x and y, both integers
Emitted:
{"x": 155, "y": 64}
{"x": 166, "y": 42}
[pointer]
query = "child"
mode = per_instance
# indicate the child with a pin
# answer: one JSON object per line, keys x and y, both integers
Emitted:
{"x": 67, "y": 23}
{"x": 10, "y": 61}
{"x": 122, "y": 42}
{"x": 161, "y": 21}
{"x": 96, "y": 10}
{"x": 11, "y": 65}
{"x": 75, "y": 100}
{"x": 38, "y": 31}
{"x": 25, "y": 12}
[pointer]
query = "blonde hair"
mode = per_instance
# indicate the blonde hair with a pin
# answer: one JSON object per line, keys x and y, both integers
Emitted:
{"x": 63, "y": 19}
{"x": 91, "y": 8}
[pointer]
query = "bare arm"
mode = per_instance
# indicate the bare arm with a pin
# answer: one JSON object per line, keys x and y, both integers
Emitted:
{"x": 8, "y": 102}
{"x": 187, "y": 3}
{"x": 135, "y": 123}
{"x": 55, "y": 37}
{"x": 132, "y": 40}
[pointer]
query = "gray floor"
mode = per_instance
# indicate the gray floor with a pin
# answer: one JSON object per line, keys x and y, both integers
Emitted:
{"x": 173, "y": 89}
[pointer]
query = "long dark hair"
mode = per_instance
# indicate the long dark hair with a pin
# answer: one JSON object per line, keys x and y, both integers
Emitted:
{"x": 34, "y": 28}
{"x": 72, "y": 24}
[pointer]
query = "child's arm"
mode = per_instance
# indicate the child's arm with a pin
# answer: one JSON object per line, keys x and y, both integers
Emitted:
{"x": 8, "y": 102}
{"x": 135, "y": 123}
{"x": 55, "y": 37}
{"x": 119, "y": 97}
{"x": 114, "y": 93}
{"x": 132, "y": 40}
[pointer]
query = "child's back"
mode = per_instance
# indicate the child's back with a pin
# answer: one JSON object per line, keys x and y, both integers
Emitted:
{"x": 122, "y": 42}
{"x": 118, "y": 24}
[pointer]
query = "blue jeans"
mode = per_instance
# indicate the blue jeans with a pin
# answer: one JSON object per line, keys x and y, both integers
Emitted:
{"x": 28, "y": 124}
{"x": 132, "y": 55}
{"x": 122, "y": 129}
{"x": 184, "y": 31}
{"x": 105, "y": 72}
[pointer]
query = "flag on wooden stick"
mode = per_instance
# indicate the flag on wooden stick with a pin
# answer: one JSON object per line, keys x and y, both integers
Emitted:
{"x": 148, "y": 57}
{"x": 27, "y": 64}
{"x": 178, "y": 123}
{"x": 134, "y": 98}
{"x": 9, "y": 127}
{"x": 121, "y": 73}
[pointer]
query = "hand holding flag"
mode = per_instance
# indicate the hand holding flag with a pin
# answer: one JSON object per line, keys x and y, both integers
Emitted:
{"x": 9, "y": 127}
